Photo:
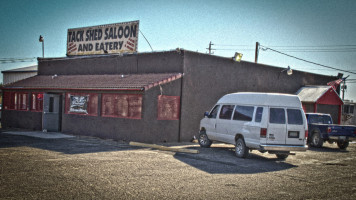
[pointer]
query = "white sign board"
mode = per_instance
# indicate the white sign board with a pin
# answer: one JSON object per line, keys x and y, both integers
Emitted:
{"x": 103, "y": 39}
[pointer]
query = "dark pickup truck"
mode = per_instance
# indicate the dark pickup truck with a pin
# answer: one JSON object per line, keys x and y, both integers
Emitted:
{"x": 321, "y": 129}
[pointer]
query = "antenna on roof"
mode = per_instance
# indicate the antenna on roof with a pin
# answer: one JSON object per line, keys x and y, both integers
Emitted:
{"x": 146, "y": 40}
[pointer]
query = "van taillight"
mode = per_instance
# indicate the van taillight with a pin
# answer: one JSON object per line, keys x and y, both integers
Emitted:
{"x": 263, "y": 133}
{"x": 306, "y": 134}
{"x": 329, "y": 130}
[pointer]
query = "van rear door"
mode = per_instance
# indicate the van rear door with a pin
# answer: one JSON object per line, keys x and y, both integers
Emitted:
{"x": 295, "y": 127}
{"x": 277, "y": 127}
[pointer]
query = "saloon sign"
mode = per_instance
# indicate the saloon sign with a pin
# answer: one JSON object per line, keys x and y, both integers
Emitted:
{"x": 110, "y": 38}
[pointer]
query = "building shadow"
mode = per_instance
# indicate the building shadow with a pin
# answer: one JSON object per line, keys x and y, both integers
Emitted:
{"x": 76, "y": 145}
{"x": 222, "y": 160}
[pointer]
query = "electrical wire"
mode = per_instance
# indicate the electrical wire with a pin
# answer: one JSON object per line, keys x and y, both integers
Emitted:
{"x": 146, "y": 40}
{"x": 15, "y": 60}
{"x": 267, "y": 48}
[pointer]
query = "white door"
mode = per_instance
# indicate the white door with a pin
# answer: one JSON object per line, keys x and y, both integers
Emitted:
{"x": 223, "y": 123}
{"x": 210, "y": 123}
{"x": 51, "y": 112}
{"x": 295, "y": 127}
{"x": 277, "y": 127}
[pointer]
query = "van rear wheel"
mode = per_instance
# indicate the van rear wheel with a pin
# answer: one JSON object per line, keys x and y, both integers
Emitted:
{"x": 204, "y": 140}
{"x": 282, "y": 156}
{"x": 241, "y": 150}
{"x": 342, "y": 144}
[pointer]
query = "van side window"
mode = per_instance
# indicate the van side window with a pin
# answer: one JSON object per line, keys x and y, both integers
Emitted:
{"x": 277, "y": 116}
{"x": 243, "y": 113}
{"x": 226, "y": 111}
{"x": 259, "y": 112}
{"x": 294, "y": 116}
{"x": 214, "y": 112}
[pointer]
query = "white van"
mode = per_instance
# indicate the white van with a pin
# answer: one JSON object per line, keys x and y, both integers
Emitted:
{"x": 256, "y": 121}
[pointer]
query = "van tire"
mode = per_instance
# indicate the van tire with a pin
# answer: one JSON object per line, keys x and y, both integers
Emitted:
{"x": 282, "y": 156}
{"x": 316, "y": 140}
{"x": 241, "y": 150}
{"x": 342, "y": 144}
{"x": 204, "y": 140}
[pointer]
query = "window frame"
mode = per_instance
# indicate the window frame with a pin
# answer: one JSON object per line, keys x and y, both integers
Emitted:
{"x": 36, "y": 102}
{"x": 102, "y": 113}
{"x": 278, "y": 122}
{"x": 15, "y": 101}
{"x": 91, "y": 97}
{"x": 240, "y": 114}
{"x": 230, "y": 108}
{"x": 162, "y": 101}
{"x": 289, "y": 119}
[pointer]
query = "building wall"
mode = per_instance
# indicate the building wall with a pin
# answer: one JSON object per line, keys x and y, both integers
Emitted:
{"x": 207, "y": 78}
{"x": 162, "y": 62}
{"x": 348, "y": 116}
{"x": 147, "y": 129}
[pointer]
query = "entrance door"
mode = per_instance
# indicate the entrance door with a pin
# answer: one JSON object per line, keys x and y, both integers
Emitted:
{"x": 52, "y": 112}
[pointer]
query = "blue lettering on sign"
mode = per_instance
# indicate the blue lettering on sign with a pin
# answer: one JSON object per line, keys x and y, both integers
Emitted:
{"x": 75, "y": 36}
{"x": 118, "y": 33}
{"x": 85, "y": 47}
{"x": 94, "y": 35}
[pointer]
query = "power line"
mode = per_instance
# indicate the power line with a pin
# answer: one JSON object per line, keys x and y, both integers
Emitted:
{"x": 15, "y": 60}
{"x": 235, "y": 49}
{"x": 267, "y": 48}
{"x": 146, "y": 40}
{"x": 318, "y": 46}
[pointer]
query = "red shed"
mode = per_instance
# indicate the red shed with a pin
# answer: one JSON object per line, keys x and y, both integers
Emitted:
{"x": 321, "y": 99}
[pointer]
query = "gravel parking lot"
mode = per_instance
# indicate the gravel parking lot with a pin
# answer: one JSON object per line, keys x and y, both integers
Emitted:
{"x": 92, "y": 168}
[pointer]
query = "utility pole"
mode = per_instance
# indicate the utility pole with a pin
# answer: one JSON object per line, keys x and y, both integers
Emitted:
{"x": 344, "y": 87}
{"x": 210, "y": 48}
{"x": 256, "y": 51}
{"x": 343, "y": 91}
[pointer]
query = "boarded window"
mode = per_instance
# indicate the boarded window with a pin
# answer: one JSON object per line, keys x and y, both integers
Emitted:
{"x": 82, "y": 103}
{"x": 37, "y": 102}
{"x": 15, "y": 101}
{"x": 168, "y": 107}
{"x": 121, "y": 105}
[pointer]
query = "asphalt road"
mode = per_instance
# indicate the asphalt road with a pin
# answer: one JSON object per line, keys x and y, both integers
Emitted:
{"x": 91, "y": 168}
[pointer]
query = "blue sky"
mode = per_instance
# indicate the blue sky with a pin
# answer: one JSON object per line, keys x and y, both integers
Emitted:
{"x": 191, "y": 25}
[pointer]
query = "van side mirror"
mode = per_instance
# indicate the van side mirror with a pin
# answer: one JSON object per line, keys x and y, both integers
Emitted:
{"x": 206, "y": 114}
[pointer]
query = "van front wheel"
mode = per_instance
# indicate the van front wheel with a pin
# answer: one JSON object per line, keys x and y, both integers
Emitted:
{"x": 204, "y": 140}
{"x": 241, "y": 150}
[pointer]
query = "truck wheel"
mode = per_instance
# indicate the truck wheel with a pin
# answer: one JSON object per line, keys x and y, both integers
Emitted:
{"x": 282, "y": 156}
{"x": 316, "y": 140}
{"x": 342, "y": 144}
{"x": 204, "y": 140}
{"x": 241, "y": 150}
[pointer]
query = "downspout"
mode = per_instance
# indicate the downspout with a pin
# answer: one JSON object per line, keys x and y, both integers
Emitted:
{"x": 340, "y": 111}
{"x": 315, "y": 107}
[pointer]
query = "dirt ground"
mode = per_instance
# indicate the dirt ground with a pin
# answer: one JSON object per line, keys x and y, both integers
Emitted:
{"x": 92, "y": 168}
